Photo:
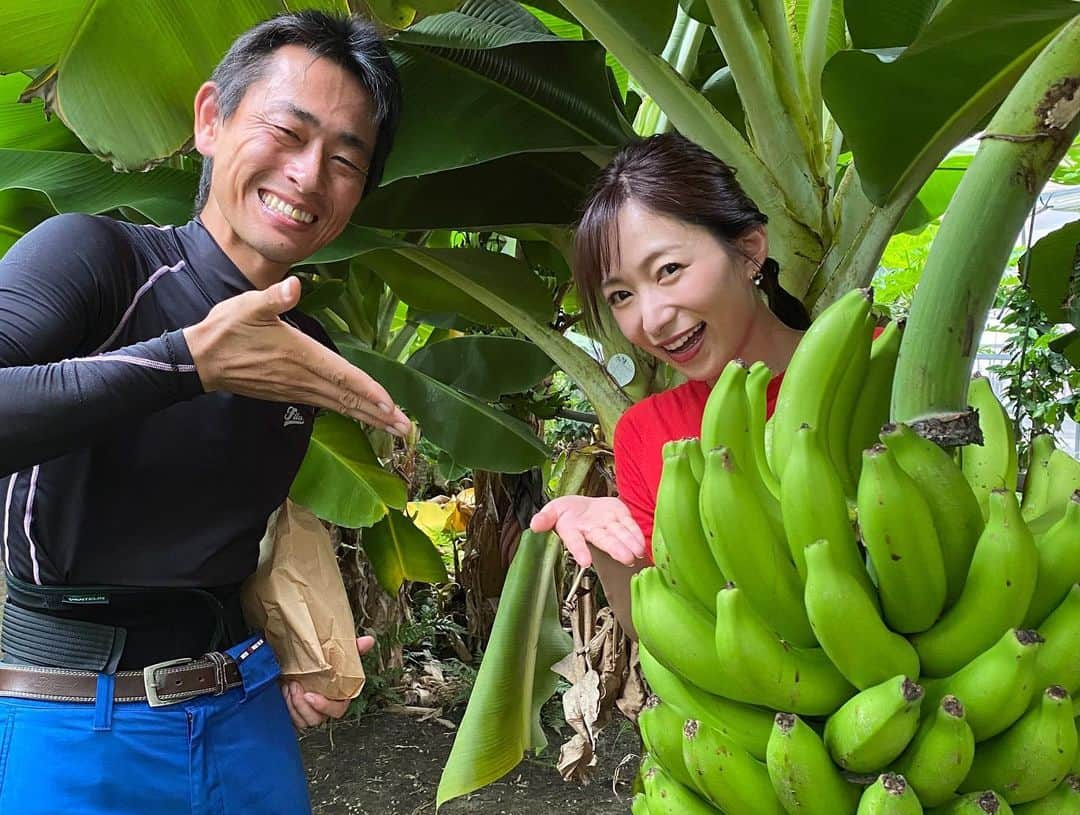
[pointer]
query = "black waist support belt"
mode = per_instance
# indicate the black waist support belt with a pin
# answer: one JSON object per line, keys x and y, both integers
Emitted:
{"x": 34, "y": 638}
{"x": 88, "y": 627}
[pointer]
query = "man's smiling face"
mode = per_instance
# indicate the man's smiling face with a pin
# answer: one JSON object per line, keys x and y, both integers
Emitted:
{"x": 290, "y": 163}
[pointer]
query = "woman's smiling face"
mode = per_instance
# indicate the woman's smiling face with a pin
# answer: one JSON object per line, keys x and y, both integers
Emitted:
{"x": 680, "y": 294}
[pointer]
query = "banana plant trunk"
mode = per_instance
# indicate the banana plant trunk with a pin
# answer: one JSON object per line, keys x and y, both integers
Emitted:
{"x": 1019, "y": 150}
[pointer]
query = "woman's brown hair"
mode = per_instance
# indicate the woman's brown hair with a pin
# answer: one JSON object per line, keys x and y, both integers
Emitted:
{"x": 672, "y": 176}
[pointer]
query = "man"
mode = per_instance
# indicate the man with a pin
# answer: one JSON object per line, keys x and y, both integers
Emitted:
{"x": 157, "y": 394}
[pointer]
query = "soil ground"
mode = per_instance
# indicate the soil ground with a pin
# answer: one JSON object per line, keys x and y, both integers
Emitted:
{"x": 389, "y": 764}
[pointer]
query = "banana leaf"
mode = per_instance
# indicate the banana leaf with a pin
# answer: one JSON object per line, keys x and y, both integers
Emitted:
{"x": 406, "y": 274}
{"x": 341, "y": 480}
{"x": 902, "y": 110}
{"x": 885, "y": 23}
{"x": 502, "y": 720}
{"x": 503, "y": 87}
{"x": 472, "y": 432}
{"x": 525, "y": 189}
{"x": 24, "y": 126}
{"x": 398, "y": 14}
{"x": 1053, "y": 268}
{"x": 124, "y": 77}
{"x": 79, "y": 182}
{"x": 485, "y": 366}
{"x": 400, "y": 551}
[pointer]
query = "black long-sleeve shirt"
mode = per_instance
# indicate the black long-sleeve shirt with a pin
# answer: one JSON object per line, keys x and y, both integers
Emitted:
{"x": 115, "y": 466}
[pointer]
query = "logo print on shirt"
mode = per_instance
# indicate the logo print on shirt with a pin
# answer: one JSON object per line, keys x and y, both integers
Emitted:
{"x": 293, "y": 416}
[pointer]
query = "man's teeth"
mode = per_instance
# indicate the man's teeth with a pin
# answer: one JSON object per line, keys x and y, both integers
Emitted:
{"x": 693, "y": 335}
{"x": 273, "y": 202}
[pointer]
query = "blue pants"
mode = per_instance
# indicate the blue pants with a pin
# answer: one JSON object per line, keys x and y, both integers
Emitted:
{"x": 234, "y": 754}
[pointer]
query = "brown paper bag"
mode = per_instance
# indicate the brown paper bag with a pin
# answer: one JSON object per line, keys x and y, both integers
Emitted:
{"x": 296, "y": 597}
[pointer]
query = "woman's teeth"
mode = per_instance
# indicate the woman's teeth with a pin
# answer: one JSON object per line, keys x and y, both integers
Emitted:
{"x": 691, "y": 338}
{"x": 271, "y": 201}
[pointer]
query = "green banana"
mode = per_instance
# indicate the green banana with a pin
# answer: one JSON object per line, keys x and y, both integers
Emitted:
{"x": 726, "y": 419}
{"x": 770, "y": 671}
{"x": 638, "y": 785}
{"x": 666, "y": 796}
{"x": 987, "y": 802}
{"x": 898, "y": 530}
{"x": 639, "y": 805}
{"x": 1064, "y": 800}
{"x": 992, "y": 465}
{"x": 697, "y": 459}
{"x": 726, "y": 422}
{"x": 814, "y": 505}
{"x": 939, "y": 756}
{"x": 1058, "y": 661}
{"x": 757, "y": 400}
{"x": 747, "y": 726}
{"x": 747, "y": 549}
{"x": 995, "y": 596}
{"x": 872, "y": 728}
{"x": 872, "y": 408}
{"x": 1037, "y": 484}
{"x": 997, "y": 686}
{"x": 1059, "y": 563}
{"x": 661, "y": 728}
{"x": 677, "y": 632}
{"x": 1033, "y": 756}
{"x": 889, "y": 795}
{"x": 803, "y": 775}
{"x": 726, "y": 774}
{"x": 1053, "y": 475}
{"x": 848, "y": 625}
{"x": 837, "y": 429}
{"x": 686, "y": 553}
{"x": 816, "y": 370}
{"x": 955, "y": 511}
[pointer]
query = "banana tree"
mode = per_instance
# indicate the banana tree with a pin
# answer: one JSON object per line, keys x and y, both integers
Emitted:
{"x": 901, "y": 87}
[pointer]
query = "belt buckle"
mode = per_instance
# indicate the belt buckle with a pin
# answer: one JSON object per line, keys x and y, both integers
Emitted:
{"x": 152, "y": 697}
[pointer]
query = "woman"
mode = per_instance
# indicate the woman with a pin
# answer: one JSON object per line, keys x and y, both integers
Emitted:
{"x": 679, "y": 253}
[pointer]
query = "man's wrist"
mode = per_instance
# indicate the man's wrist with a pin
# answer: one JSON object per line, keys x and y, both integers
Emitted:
{"x": 197, "y": 343}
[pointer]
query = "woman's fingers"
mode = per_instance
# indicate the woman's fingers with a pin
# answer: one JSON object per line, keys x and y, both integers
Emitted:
{"x": 575, "y": 544}
{"x": 631, "y": 534}
{"x": 546, "y": 519}
{"x": 611, "y": 540}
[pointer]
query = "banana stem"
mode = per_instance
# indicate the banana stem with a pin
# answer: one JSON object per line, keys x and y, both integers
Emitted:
{"x": 815, "y": 47}
{"x": 777, "y": 130}
{"x": 1023, "y": 144}
{"x": 790, "y": 73}
{"x": 862, "y": 233}
{"x": 681, "y": 53}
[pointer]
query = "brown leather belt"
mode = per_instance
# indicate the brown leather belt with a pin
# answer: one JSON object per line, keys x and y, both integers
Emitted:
{"x": 164, "y": 683}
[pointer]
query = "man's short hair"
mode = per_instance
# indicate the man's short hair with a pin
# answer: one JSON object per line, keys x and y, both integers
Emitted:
{"x": 351, "y": 42}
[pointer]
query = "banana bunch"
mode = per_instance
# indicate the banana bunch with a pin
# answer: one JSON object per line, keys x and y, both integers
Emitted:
{"x": 846, "y": 619}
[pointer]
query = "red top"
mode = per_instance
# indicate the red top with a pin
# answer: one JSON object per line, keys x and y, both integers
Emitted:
{"x": 641, "y": 434}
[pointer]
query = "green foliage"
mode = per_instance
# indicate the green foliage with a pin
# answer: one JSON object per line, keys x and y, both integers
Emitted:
{"x": 341, "y": 480}
{"x": 399, "y": 551}
{"x": 898, "y": 130}
{"x": 515, "y": 678}
{"x": 1041, "y": 381}
{"x": 900, "y": 269}
{"x": 1068, "y": 172}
